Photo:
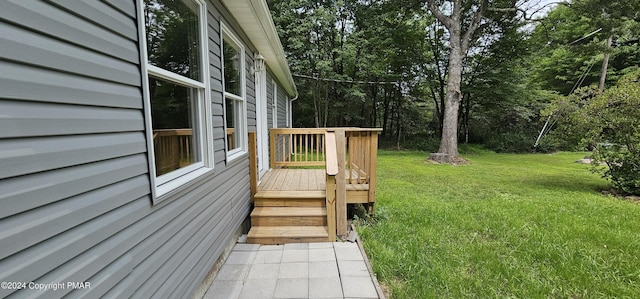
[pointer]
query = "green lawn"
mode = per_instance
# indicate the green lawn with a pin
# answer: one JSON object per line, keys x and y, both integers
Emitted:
{"x": 505, "y": 226}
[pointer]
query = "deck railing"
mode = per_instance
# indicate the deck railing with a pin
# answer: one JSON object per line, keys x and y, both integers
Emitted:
{"x": 297, "y": 147}
{"x": 173, "y": 149}
{"x": 355, "y": 153}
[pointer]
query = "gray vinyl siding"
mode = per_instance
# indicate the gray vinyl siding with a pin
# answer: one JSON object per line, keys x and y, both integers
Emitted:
{"x": 281, "y": 99}
{"x": 75, "y": 193}
{"x": 251, "y": 91}
{"x": 282, "y": 108}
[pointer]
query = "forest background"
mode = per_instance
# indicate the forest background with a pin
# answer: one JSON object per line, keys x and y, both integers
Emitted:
{"x": 385, "y": 64}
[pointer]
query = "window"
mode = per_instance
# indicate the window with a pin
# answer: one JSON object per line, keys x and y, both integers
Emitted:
{"x": 234, "y": 94}
{"x": 177, "y": 108}
{"x": 287, "y": 107}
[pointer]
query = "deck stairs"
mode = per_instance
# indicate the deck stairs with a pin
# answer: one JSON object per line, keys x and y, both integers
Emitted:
{"x": 281, "y": 217}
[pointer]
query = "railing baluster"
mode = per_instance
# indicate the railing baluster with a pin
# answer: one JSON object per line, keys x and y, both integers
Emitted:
{"x": 315, "y": 147}
{"x": 305, "y": 145}
{"x": 295, "y": 147}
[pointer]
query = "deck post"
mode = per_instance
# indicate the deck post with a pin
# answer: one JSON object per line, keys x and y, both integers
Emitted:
{"x": 341, "y": 184}
{"x": 253, "y": 165}
{"x": 330, "y": 187}
{"x": 331, "y": 206}
{"x": 272, "y": 148}
{"x": 373, "y": 162}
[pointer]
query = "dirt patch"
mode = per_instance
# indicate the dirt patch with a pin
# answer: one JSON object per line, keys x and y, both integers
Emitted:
{"x": 439, "y": 158}
{"x": 614, "y": 192}
{"x": 633, "y": 198}
{"x": 386, "y": 290}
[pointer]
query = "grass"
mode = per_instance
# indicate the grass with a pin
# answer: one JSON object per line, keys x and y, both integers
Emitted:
{"x": 504, "y": 226}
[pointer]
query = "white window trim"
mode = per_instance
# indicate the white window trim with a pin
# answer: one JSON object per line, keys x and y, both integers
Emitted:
{"x": 161, "y": 186}
{"x": 274, "y": 105}
{"x": 274, "y": 117}
{"x": 226, "y": 33}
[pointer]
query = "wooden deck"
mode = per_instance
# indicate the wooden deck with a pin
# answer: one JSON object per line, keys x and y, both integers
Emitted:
{"x": 315, "y": 174}
{"x": 285, "y": 179}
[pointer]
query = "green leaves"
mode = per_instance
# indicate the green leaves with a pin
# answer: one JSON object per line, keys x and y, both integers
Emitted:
{"x": 610, "y": 124}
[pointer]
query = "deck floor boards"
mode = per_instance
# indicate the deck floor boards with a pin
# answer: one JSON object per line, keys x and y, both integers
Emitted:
{"x": 286, "y": 179}
{"x": 293, "y": 179}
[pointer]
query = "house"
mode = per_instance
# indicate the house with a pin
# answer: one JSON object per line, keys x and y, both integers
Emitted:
{"x": 133, "y": 135}
{"x": 123, "y": 153}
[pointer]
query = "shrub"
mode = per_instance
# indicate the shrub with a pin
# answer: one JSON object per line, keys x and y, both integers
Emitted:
{"x": 613, "y": 123}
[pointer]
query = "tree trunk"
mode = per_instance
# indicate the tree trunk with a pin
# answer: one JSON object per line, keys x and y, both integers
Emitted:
{"x": 374, "y": 111}
{"x": 449, "y": 141}
{"x": 466, "y": 115}
{"x": 326, "y": 106}
{"x": 385, "y": 113}
{"x": 605, "y": 64}
{"x": 316, "y": 110}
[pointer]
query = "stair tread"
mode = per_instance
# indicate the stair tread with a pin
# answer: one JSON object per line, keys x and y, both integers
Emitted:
{"x": 288, "y": 232}
{"x": 316, "y": 194}
{"x": 288, "y": 212}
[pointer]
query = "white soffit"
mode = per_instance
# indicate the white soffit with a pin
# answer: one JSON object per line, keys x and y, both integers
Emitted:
{"x": 255, "y": 19}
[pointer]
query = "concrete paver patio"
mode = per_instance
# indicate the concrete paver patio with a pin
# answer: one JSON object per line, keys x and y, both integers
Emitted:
{"x": 303, "y": 270}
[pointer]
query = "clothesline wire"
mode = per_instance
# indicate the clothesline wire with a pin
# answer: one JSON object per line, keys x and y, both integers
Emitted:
{"x": 345, "y": 81}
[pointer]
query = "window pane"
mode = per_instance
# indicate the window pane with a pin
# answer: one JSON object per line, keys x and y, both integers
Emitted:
{"x": 231, "y": 69}
{"x": 232, "y": 124}
{"x": 172, "y": 36}
{"x": 175, "y": 130}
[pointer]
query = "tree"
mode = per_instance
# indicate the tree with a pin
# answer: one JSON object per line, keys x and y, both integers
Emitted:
{"x": 334, "y": 46}
{"x": 610, "y": 16}
{"x": 464, "y": 23}
{"x": 573, "y": 38}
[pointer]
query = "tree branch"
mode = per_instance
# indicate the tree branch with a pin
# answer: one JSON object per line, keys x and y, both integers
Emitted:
{"x": 445, "y": 20}
{"x": 527, "y": 16}
{"x": 477, "y": 18}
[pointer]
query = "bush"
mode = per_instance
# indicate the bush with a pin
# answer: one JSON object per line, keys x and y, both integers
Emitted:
{"x": 623, "y": 167}
{"x": 613, "y": 125}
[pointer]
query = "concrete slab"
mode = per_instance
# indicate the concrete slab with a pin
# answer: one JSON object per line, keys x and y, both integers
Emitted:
{"x": 294, "y": 270}
{"x": 292, "y": 288}
{"x": 323, "y": 270}
{"x": 325, "y": 288}
{"x": 271, "y": 247}
{"x": 264, "y": 271}
{"x": 224, "y": 289}
{"x": 246, "y": 247}
{"x": 320, "y": 245}
{"x": 344, "y": 245}
{"x": 348, "y": 254}
{"x": 295, "y": 256}
{"x": 301, "y": 270}
{"x": 358, "y": 287}
{"x": 233, "y": 272}
{"x": 268, "y": 257}
{"x": 258, "y": 288}
{"x": 241, "y": 257}
{"x": 321, "y": 255}
{"x": 296, "y": 246}
{"x": 353, "y": 268}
